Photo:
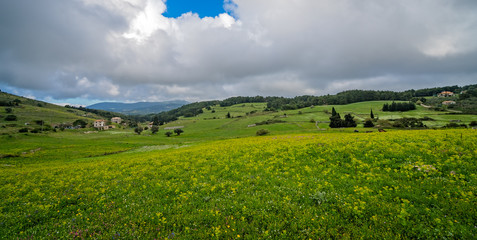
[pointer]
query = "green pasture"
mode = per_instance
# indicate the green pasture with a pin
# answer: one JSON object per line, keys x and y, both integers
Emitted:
{"x": 325, "y": 185}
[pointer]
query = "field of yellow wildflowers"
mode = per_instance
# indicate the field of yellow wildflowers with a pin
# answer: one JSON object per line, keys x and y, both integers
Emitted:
{"x": 402, "y": 184}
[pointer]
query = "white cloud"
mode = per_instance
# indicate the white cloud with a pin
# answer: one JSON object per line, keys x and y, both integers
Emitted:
{"x": 127, "y": 50}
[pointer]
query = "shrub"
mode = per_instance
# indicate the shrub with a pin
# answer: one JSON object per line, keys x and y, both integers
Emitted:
{"x": 80, "y": 123}
{"x": 10, "y": 118}
{"x": 23, "y": 130}
{"x": 168, "y": 134}
{"x": 8, "y": 110}
{"x": 368, "y": 123}
{"x": 408, "y": 122}
{"x": 270, "y": 121}
{"x": 154, "y": 129}
{"x": 452, "y": 125}
{"x": 262, "y": 132}
{"x": 473, "y": 123}
{"x": 178, "y": 131}
{"x": 138, "y": 130}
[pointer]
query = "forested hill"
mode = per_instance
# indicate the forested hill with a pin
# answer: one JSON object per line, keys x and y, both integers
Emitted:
{"x": 346, "y": 97}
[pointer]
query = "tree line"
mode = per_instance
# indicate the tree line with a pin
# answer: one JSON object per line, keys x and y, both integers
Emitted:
{"x": 399, "y": 107}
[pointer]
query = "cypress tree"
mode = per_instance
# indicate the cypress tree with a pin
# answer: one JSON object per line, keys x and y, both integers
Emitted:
{"x": 333, "y": 112}
{"x": 372, "y": 115}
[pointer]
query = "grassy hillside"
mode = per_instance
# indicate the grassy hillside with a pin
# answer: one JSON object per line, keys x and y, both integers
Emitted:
{"x": 401, "y": 184}
{"x": 28, "y": 111}
{"x": 213, "y": 123}
{"x": 301, "y": 182}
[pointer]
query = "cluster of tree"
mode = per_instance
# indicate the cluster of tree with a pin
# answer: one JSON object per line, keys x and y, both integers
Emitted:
{"x": 399, "y": 107}
{"x": 177, "y": 131}
{"x": 337, "y": 122}
{"x": 468, "y": 93}
{"x": 12, "y": 103}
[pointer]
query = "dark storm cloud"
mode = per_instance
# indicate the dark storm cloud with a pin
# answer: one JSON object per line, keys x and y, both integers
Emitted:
{"x": 126, "y": 49}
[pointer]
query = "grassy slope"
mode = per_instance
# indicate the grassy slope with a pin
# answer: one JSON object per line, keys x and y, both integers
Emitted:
{"x": 334, "y": 185}
{"x": 328, "y": 184}
{"x": 301, "y": 120}
{"x": 31, "y": 110}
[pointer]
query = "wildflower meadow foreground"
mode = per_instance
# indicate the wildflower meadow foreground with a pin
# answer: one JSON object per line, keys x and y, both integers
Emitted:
{"x": 401, "y": 184}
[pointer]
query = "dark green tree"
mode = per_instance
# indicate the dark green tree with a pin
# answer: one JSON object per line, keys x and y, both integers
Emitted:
{"x": 138, "y": 130}
{"x": 349, "y": 121}
{"x": 10, "y": 118}
{"x": 372, "y": 115}
{"x": 154, "y": 129}
{"x": 333, "y": 111}
{"x": 368, "y": 123}
{"x": 178, "y": 131}
{"x": 228, "y": 115}
{"x": 155, "y": 121}
{"x": 168, "y": 134}
{"x": 336, "y": 121}
{"x": 80, "y": 123}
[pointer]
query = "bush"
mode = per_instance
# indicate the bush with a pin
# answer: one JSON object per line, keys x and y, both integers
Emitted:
{"x": 452, "y": 125}
{"x": 138, "y": 130}
{"x": 23, "y": 130}
{"x": 473, "y": 123}
{"x": 10, "y": 118}
{"x": 154, "y": 129}
{"x": 168, "y": 134}
{"x": 262, "y": 132}
{"x": 368, "y": 123}
{"x": 80, "y": 123}
{"x": 178, "y": 131}
{"x": 8, "y": 110}
{"x": 408, "y": 122}
{"x": 270, "y": 121}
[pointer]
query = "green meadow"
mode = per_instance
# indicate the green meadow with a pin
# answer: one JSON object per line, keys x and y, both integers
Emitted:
{"x": 400, "y": 184}
{"x": 217, "y": 180}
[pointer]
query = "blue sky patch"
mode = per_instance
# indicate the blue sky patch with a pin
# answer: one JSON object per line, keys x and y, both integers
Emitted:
{"x": 205, "y": 8}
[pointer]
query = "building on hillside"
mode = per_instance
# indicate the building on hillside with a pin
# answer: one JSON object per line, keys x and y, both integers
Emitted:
{"x": 445, "y": 94}
{"x": 448, "y": 103}
{"x": 100, "y": 124}
{"x": 117, "y": 120}
{"x": 150, "y": 124}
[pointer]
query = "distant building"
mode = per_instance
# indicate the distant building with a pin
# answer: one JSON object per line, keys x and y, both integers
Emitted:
{"x": 117, "y": 120}
{"x": 100, "y": 124}
{"x": 448, "y": 102}
{"x": 445, "y": 94}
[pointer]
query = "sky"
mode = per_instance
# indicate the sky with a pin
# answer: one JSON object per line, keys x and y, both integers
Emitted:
{"x": 88, "y": 51}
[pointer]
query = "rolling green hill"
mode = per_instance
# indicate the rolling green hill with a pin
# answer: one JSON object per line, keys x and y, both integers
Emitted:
{"x": 218, "y": 180}
{"x": 27, "y": 111}
{"x": 214, "y": 123}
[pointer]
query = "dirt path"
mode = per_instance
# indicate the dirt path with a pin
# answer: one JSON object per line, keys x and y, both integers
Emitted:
{"x": 426, "y": 106}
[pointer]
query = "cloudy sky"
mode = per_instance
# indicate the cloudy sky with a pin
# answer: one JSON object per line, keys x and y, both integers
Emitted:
{"x": 85, "y": 51}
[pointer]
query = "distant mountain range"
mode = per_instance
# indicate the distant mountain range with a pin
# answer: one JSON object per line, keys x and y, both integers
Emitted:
{"x": 139, "y": 107}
